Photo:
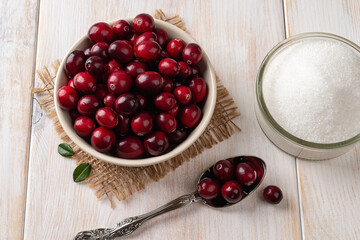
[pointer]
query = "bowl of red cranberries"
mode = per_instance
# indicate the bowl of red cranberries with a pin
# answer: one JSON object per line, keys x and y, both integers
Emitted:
{"x": 135, "y": 92}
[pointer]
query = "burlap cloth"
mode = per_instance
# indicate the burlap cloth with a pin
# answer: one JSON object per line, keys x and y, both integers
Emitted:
{"x": 120, "y": 182}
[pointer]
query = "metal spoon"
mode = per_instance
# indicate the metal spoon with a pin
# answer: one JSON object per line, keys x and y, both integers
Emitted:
{"x": 129, "y": 225}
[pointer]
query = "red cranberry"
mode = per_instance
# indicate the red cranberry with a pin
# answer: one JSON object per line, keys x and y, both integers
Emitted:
{"x": 192, "y": 54}
{"x": 156, "y": 143}
{"x": 143, "y": 23}
{"x": 122, "y": 29}
{"x": 71, "y": 83}
{"x": 135, "y": 68}
{"x": 88, "y": 105}
{"x": 113, "y": 66}
{"x": 223, "y": 170}
{"x": 231, "y": 191}
{"x": 245, "y": 174}
{"x": 198, "y": 89}
{"x": 169, "y": 67}
{"x": 109, "y": 100}
{"x": 74, "y": 114}
{"x": 142, "y": 124}
{"x": 103, "y": 139}
{"x": 208, "y": 188}
{"x": 142, "y": 100}
{"x": 101, "y": 91}
{"x": 106, "y": 117}
{"x": 121, "y": 51}
{"x": 195, "y": 70}
{"x": 146, "y": 36}
{"x": 130, "y": 147}
{"x": 165, "y": 101}
{"x": 87, "y": 52}
{"x": 190, "y": 115}
{"x": 175, "y": 48}
{"x": 174, "y": 111}
{"x": 166, "y": 122}
{"x": 162, "y": 37}
{"x": 74, "y": 63}
{"x": 273, "y": 194}
{"x": 123, "y": 126}
{"x": 84, "y": 126}
{"x": 148, "y": 51}
{"x": 183, "y": 94}
{"x": 178, "y": 135}
{"x": 133, "y": 36}
{"x": 185, "y": 70}
{"x": 149, "y": 82}
{"x": 84, "y": 83}
{"x": 164, "y": 55}
{"x": 126, "y": 104}
{"x": 67, "y": 98}
{"x": 119, "y": 82}
{"x": 95, "y": 66}
{"x": 168, "y": 85}
{"x": 100, "y": 32}
{"x": 100, "y": 49}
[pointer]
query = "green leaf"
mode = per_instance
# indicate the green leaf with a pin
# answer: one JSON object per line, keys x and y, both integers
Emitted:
{"x": 65, "y": 150}
{"x": 81, "y": 172}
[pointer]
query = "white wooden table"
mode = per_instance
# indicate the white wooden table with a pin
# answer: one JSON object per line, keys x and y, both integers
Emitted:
{"x": 39, "y": 200}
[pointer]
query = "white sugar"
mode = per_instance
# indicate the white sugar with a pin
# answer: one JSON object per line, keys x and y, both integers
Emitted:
{"x": 312, "y": 89}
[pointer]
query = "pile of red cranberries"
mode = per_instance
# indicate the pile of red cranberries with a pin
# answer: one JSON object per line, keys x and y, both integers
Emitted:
{"x": 134, "y": 92}
{"x": 229, "y": 180}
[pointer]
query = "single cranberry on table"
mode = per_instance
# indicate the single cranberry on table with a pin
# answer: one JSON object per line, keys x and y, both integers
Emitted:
{"x": 142, "y": 100}
{"x": 146, "y": 36}
{"x": 166, "y": 122}
{"x": 109, "y": 100}
{"x": 71, "y": 83}
{"x": 103, "y": 139}
{"x": 95, "y": 66}
{"x": 208, "y": 188}
{"x": 84, "y": 83}
{"x": 162, "y": 37}
{"x": 67, "y": 98}
{"x": 148, "y": 51}
{"x": 88, "y": 105}
{"x": 119, "y": 82}
{"x": 224, "y": 170}
{"x": 143, "y": 23}
{"x": 106, "y": 117}
{"x": 142, "y": 124}
{"x": 169, "y": 67}
{"x": 149, "y": 82}
{"x": 127, "y": 104}
{"x": 178, "y": 135}
{"x": 168, "y": 85}
{"x": 156, "y": 143}
{"x": 100, "y": 32}
{"x": 198, "y": 89}
{"x": 101, "y": 91}
{"x": 130, "y": 147}
{"x": 122, "y": 29}
{"x": 192, "y": 54}
{"x": 273, "y": 194}
{"x": 183, "y": 94}
{"x": 84, "y": 126}
{"x": 245, "y": 174}
{"x": 100, "y": 49}
{"x": 121, "y": 51}
{"x": 123, "y": 127}
{"x": 190, "y": 115}
{"x": 174, "y": 111}
{"x": 185, "y": 70}
{"x": 165, "y": 101}
{"x": 175, "y": 48}
{"x": 231, "y": 191}
{"x": 74, "y": 63}
{"x": 135, "y": 67}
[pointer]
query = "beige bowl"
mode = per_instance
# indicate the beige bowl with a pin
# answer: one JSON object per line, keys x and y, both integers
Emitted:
{"x": 208, "y": 109}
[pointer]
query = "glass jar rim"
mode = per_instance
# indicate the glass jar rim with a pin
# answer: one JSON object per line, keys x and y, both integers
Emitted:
{"x": 261, "y": 102}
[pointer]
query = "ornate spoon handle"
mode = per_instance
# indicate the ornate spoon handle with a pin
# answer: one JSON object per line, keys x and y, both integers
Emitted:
{"x": 129, "y": 225}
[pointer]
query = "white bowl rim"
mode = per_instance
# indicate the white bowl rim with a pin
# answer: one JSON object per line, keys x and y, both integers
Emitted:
{"x": 195, "y": 134}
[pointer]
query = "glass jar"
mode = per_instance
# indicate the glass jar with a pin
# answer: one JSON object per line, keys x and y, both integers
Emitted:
{"x": 276, "y": 133}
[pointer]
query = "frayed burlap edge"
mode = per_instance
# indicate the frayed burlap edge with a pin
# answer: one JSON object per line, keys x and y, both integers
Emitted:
{"x": 120, "y": 182}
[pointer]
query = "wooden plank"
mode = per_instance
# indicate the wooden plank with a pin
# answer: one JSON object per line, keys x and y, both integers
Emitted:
{"x": 17, "y": 40}
{"x": 330, "y": 190}
{"x": 236, "y": 36}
